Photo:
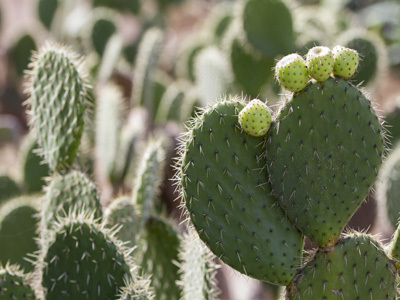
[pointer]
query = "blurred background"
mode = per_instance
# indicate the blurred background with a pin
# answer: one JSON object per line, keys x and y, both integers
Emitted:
{"x": 167, "y": 58}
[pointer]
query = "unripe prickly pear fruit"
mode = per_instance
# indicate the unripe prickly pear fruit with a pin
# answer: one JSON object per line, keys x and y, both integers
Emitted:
{"x": 255, "y": 118}
{"x": 319, "y": 63}
{"x": 346, "y": 61}
{"x": 291, "y": 72}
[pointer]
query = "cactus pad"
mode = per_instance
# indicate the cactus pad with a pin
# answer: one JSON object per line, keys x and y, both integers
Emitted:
{"x": 83, "y": 261}
{"x": 320, "y": 63}
{"x": 13, "y": 284}
{"x": 323, "y": 153}
{"x": 57, "y": 98}
{"x": 356, "y": 268}
{"x": 346, "y": 61}
{"x": 255, "y": 118}
{"x": 137, "y": 289}
{"x": 227, "y": 198}
{"x": 292, "y": 73}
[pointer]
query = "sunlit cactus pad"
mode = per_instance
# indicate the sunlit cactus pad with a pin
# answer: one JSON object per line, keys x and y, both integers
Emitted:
{"x": 228, "y": 198}
{"x": 356, "y": 268}
{"x": 323, "y": 154}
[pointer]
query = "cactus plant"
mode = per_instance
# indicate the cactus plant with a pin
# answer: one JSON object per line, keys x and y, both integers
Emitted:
{"x": 14, "y": 284}
{"x": 138, "y": 289}
{"x": 21, "y": 52}
{"x": 8, "y": 188}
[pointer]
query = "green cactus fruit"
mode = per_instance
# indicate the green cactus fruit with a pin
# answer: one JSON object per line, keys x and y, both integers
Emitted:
{"x": 73, "y": 189}
{"x": 83, "y": 260}
{"x": 146, "y": 62}
{"x": 122, "y": 213}
{"x": 8, "y": 188}
{"x": 46, "y": 10}
{"x": 109, "y": 108}
{"x": 355, "y": 268}
{"x": 388, "y": 189}
{"x": 372, "y": 52}
{"x": 319, "y": 63}
{"x": 162, "y": 265}
{"x": 268, "y": 26}
{"x": 255, "y": 118}
{"x": 14, "y": 284}
{"x": 346, "y": 61}
{"x": 148, "y": 178}
{"x": 18, "y": 231}
{"x": 197, "y": 268}
{"x": 58, "y": 89}
{"x": 34, "y": 169}
{"x": 212, "y": 74}
{"x": 291, "y": 72}
{"x": 251, "y": 68}
{"x": 21, "y": 52}
{"x": 122, "y": 5}
{"x": 228, "y": 198}
{"x": 137, "y": 289}
{"x": 324, "y": 151}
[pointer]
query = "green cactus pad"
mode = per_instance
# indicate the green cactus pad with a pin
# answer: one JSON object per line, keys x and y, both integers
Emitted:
{"x": 320, "y": 63}
{"x": 18, "y": 231}
{"x": 162, "y": 265}
{"x": 46, "y": 11}
{"x": 356, "y": 268}
{"x": 346, "y": 61}
{"x": 228, "y": 198}
{"x": 123, "y": 213}
{"x": 388, "y": 189}
{"x": 83, "y": 261}
{"x": 291, "y": 72}
{"x": 8, "y": 188}
{"x": 255, "y": 118}
{"x": 34, "y": 169}
{"x": 122, "y": 5}
{"x": 268, "y": 26}
{"x": 323, "y": 153}
{"x": 57, "y": 98}
{"x": 13, "y": 284}
{"x": 73, "y": 189}
{"x": 21, "y": 53}
{"x": 137, "y": 289}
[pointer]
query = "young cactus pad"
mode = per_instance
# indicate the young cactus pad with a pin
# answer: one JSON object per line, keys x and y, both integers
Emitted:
{"x": 320, "y": 63}
{"x": 255, "y": 118}
{"x": 13, "y": 284}
{"x": 323, "y": 153}
{"x": 84, "y": 261}
{"x": 346, "y": 61}
{"x": 356, "y": 268}
{"x": 57, "y": 98}
{"x": 292, "y": 73}
{"x": 228, "y": 198}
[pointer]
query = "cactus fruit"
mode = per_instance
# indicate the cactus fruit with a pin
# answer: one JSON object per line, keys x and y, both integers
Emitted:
{"x": 346, "y": 61}
{"x": 137, "y": 289}
{"x": 58, "y": 93}
{"x": 319, "y": 63}
{"x": 292, "y": 73}
{"x": 8, "y": 188}
{"x": 323, "y": 154}
{"x": 162, "y": 265}
{"x": 83, "y": 260}
{"x": 122, "y": 213}
{"x": 268, "y": 26}
{"x": 14, "y": 284}
{"x": 198, "y": 270}
{"x": 73, "y": 189}
{"x": 255, "y": 118}
{"x": 228, "y": 198}
{"x": 355, "y": 268}
{"x": 34, "y": 169}
{"x": 18, "y": 231}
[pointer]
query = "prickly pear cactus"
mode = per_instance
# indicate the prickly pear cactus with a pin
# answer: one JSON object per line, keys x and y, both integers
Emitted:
{"x": 355, "y": 268}
{"x": 83, "y": 260}
{"x": 8, "y": 188}
{"x": 58, "y": 94}
{"x": 18, "y": 231}
{"x": 323, "y": 154}
{"x": 137, "y": 289}
{"x": 14, "y": 285}
{"x": 73, "y": 189}
{"x": 228, "y": 197}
